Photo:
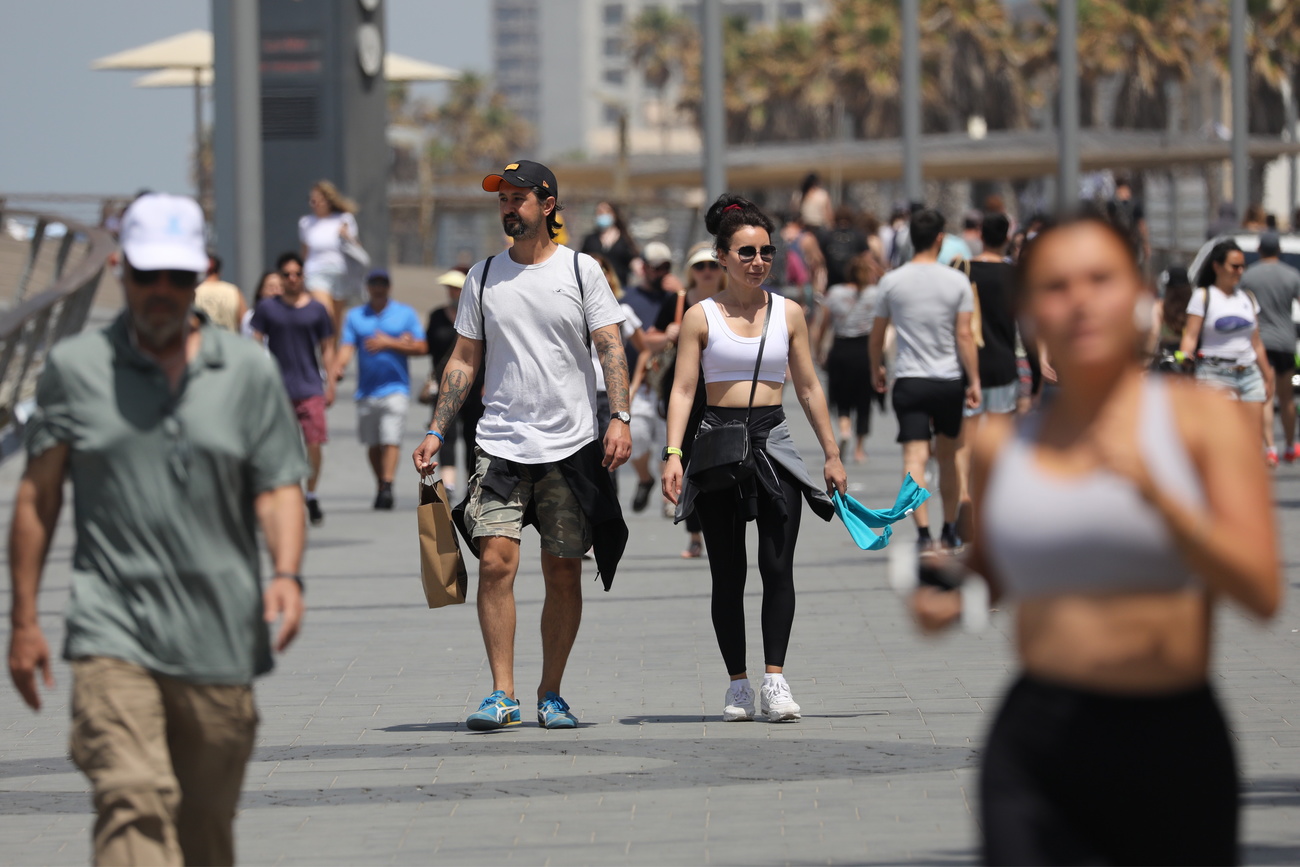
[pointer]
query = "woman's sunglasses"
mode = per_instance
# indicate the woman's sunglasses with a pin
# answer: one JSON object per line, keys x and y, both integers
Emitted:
{"x": 748, "y": 252}
{"x": 179, "y": 279}
{"x": 707, "y": 266}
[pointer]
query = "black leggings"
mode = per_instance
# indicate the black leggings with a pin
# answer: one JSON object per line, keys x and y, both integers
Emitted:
{"x": 722, "y": 519}
{"x": 1075, "y": 777}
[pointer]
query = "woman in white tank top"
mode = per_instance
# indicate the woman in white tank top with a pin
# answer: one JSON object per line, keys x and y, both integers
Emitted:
{"x": 721, "y": 338}
{"x": 1115, "y": 516}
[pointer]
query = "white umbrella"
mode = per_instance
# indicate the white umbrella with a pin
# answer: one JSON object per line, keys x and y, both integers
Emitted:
{"x": 397, "y": 67}
{"x": 174, "y": 77}
{"x": 187, "y": 54}
{"x": 189, "y": 50}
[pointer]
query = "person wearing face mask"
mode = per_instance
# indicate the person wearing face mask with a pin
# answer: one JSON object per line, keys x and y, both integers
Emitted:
{"x": 611, "y": 240}
{"x": 1116, "y": 517}
{"x": 741, "y": 341}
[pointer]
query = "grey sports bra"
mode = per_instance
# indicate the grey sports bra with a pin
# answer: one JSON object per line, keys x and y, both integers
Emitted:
{"x": 1090, "y": 534}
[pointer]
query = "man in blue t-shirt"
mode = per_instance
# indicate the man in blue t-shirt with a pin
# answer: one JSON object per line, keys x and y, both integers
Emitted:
{"x": 381, "y": 334}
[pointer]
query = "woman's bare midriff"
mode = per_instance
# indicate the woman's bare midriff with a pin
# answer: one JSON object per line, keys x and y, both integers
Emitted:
{"x": 736, "y": 393}
{"x": 1141, "y": 643}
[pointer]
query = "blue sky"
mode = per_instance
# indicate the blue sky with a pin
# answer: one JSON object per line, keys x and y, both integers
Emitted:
{"x": 68, "y": 129}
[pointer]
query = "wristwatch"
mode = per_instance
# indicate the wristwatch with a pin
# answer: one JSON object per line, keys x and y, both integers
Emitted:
{"x": 669, "y": 450}
{"x": 624, "y": 417}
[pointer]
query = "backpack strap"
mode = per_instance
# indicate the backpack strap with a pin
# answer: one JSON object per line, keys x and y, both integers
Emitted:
{"x": 482, "y": 288}
{"x": 582, "y": 298}
{"x": 582, "y": 295}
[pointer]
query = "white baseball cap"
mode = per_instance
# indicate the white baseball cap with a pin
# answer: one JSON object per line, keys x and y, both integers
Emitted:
{"x": 163, "y": 231}
{"x": 657, "y": 253}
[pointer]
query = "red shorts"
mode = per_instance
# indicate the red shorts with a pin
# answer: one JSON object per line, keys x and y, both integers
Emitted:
{"x": 311, "y": 415}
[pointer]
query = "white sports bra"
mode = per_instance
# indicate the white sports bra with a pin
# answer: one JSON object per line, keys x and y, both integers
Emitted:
{"x": 729, "y": 357}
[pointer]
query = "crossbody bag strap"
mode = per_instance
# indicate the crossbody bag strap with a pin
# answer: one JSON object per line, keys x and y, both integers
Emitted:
{"x": 762, "y": 342}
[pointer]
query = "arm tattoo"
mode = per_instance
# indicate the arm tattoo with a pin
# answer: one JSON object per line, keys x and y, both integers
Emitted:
{"x": 451, "y": 397}
{"x": 614, "y": 364}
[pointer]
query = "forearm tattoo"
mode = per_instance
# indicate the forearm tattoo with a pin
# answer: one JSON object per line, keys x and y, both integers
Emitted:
{"x": 451, "y": 397}
{"x": 614, "y": 363}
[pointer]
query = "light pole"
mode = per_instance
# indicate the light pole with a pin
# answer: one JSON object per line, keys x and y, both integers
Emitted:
{"x": 1240, "y": 116}
{"x": 715, "y": 168}
{"x": 1067, "y": 52}
{"x": 913, "y": 188}
{"x": 238, "y": 148}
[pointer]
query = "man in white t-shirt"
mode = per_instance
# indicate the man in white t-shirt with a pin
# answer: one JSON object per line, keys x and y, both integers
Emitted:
{"x": 528, "y": 316}
{"x": 930, "y": 307}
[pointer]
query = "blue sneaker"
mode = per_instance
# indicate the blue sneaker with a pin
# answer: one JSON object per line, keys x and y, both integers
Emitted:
{"x": 495, "y": 712}
{"x": 553, "y": 713}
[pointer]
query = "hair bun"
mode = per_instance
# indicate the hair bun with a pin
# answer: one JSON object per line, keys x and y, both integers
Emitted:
{"x": 725, "y": 202}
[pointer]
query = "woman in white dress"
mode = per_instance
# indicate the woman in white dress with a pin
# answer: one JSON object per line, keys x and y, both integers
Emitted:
{"x": 322, "y": 234}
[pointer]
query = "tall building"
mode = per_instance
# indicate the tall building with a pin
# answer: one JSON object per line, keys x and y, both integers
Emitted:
{"x": 566, "y": 66}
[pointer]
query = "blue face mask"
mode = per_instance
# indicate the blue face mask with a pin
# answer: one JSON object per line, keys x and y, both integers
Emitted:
{"x": 604, "y": 221}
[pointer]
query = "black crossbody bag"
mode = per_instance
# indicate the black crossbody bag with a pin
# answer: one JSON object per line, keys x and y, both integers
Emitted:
{"x": 721, "y": 456}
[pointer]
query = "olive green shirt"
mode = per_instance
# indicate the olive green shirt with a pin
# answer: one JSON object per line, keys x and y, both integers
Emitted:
{"x": 165, "y": 569}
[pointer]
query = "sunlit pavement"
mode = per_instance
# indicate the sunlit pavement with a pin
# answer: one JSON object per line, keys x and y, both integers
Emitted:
{"x": 363, "y": 756}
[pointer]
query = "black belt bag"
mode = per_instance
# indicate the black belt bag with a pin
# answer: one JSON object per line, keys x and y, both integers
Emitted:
{"x": 722, "y": 456}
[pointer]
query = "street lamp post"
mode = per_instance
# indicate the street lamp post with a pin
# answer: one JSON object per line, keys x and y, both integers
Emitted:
{"x": 1240, "y": 116}
{"x": 913, "y": 189}
{"x": 1067, "y": 52}
{"x": 715, "y": 169}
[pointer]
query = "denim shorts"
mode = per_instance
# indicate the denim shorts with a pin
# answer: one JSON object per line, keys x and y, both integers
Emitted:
{"x": 1246, "y": 384}
{"x": 998, "y": 399}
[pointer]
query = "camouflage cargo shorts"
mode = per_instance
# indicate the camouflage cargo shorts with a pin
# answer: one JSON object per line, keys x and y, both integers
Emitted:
{"x": 560, "y": 520}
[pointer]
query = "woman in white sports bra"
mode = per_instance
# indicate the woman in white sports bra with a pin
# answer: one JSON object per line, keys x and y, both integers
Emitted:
{"x": 1115, "y": 517}
{"x": 721, "y": 338}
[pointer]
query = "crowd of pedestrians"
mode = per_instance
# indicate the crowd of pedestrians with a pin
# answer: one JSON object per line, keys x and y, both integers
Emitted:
{"x": 1114, "y": 506}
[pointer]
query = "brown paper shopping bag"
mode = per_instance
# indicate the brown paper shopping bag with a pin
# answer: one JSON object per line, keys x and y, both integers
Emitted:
{"x": 442, "y": 568}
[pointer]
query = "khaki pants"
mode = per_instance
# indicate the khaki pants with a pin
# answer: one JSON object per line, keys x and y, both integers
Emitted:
{"x": 166, "y": 758}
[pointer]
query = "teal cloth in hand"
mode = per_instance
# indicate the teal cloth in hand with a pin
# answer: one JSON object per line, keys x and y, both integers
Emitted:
{"x": 862, "y": 522}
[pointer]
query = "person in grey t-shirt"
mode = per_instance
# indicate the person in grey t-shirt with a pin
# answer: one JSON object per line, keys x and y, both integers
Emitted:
{"x": 1276, "y": 286}
{"x": 930, "y": 307}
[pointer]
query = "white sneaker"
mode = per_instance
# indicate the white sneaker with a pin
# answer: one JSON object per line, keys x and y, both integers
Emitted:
{"x": 738, "y": 706}
{"x": 777, "y": 702}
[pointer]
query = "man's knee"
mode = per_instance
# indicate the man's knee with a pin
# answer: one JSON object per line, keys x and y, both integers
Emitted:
{"x": 498, "y": 560}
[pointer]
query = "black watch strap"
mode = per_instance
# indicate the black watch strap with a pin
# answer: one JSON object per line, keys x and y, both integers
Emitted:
{"x": 294, "y": 575}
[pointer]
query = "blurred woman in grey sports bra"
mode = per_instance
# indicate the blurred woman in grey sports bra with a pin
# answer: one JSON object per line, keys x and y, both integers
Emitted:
{"x": 1116, "y": 517}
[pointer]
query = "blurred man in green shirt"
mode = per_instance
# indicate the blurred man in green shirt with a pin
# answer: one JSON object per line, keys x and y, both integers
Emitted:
{"x": 179, "y": 440}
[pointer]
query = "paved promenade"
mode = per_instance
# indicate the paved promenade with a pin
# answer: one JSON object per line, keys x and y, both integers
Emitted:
{"x": 363, "y": 758}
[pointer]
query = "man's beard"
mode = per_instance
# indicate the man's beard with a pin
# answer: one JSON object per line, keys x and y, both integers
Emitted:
{"x": 517, "y": 228}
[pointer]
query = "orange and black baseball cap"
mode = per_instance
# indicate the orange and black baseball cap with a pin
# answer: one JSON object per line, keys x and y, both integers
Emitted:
{"x": 524, "y": 173}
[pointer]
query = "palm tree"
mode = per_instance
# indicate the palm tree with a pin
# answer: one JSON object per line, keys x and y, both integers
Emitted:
{"x": 660, "y": 42}
{"x": 476, "y": 127}
{"x": 1146, "y": 44}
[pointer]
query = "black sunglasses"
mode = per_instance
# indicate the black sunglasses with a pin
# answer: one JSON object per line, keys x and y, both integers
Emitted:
{"x": 291, "y": 275}
{"x": 1235, "y": 266}
{"x": 707, "y": 266}
{"x": 748, "y": 252}
{"x": 178, "y": 278}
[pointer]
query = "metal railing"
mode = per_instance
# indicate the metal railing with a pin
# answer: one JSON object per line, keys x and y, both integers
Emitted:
{"x": 37, "y": 317}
